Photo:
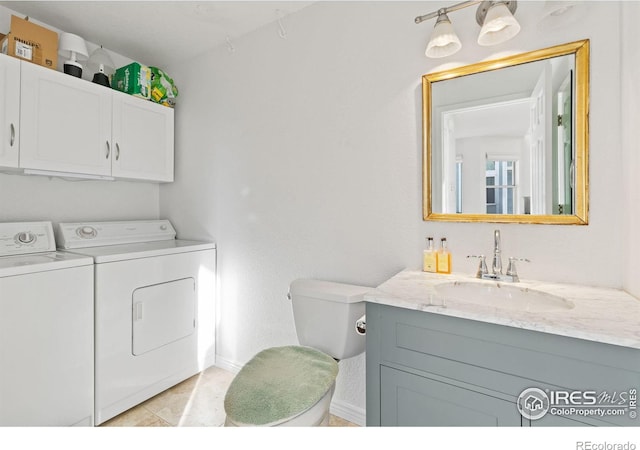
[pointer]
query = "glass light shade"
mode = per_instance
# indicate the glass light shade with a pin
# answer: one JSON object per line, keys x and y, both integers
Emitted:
{"x": 444, "y": 41}
{"x": 72, "y": 47}
{"x": 100, "y": 61}
{"x": 561, "y": 14}
{"x": 499, "y": 25}
{"x": 557, "y": 7}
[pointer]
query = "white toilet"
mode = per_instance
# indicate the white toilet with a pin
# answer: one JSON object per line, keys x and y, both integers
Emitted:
{"x": 293, "y": 385}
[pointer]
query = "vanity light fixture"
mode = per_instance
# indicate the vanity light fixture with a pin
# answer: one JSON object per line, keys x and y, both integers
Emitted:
{"x": 558, "y": 14}
{"x": 444, "y": 40}
{"x": 498, "y": 23}
{"x": 494, "y": 17}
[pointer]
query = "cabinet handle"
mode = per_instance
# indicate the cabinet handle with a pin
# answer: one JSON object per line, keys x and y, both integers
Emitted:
{"x": 108, "y": 150}
{"x": 13, "y": 136}
{"x": 117, "y": 151}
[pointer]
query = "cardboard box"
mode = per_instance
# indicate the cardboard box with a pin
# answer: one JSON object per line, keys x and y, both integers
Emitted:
{"x": 133, "y": 79}
{"x": 31, "y": 42}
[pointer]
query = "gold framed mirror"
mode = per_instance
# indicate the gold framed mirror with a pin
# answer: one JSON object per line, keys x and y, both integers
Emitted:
{"x": 508, "y": 140}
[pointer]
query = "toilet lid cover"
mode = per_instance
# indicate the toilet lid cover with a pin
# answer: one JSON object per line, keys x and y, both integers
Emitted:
{"x": 279, "y": 383}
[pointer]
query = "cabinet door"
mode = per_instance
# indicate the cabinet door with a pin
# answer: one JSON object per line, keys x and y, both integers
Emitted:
{"x": 142, "y": 139}
{"x": 66, "y": 123}
{"x": 9, "y": 111}
{"x": 558, "y": 421}
{"x": 410, "y": 400}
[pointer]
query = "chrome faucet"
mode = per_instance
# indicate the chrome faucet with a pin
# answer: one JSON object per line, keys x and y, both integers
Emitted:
{"x": 512, "y": 272}
{"x": 496, "y": 264}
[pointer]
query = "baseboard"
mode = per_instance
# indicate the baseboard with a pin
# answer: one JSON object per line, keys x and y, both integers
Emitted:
{"x": 348, "y": 412}
{"x": 227, "y": 364}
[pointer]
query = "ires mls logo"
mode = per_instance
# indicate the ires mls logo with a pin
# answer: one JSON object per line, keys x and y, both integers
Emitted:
{"x": 535, "y": 403}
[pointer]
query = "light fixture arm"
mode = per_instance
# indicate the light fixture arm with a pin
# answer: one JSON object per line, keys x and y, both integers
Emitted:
{"x": 481, "y": 13}
{"x": 447, "y": 10}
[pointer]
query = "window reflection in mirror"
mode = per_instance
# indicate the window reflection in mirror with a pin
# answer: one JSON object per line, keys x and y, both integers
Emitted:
{"x": 502, "y": 190}
{"x": 507, "y": 140}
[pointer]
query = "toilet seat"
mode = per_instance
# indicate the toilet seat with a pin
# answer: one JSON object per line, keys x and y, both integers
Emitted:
{"x": 279, "y": 384}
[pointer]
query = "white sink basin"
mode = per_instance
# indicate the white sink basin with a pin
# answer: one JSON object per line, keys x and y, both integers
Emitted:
{"x": 502, "y": 296}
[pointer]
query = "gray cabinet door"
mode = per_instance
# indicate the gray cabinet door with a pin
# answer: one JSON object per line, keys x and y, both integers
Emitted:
{"x": 557, "y": 421}
{"x": 411, "y": 400}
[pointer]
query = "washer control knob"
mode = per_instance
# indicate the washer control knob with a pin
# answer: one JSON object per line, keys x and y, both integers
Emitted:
{"x": 26, "y": 237}
{"x": 86, "y": 232}
{"x": 163, "y": 227}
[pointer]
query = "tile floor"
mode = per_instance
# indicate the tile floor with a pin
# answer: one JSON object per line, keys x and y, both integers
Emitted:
{"x": 196, "y": 402}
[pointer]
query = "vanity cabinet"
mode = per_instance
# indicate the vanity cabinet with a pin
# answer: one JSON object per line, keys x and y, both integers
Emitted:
{"x": 74, "y": 127}
{"x": 409, "y": 399}
{"x": 429, "y": 369}
{"x": 9, "y": 111}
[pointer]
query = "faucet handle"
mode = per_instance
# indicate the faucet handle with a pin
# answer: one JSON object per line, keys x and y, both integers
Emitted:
{"x": 482, "y": 267}
{"x": 511, "y": 270}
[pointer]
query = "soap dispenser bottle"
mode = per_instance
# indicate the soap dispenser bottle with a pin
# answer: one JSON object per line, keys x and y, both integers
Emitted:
{"x": 443, "y": 260}
{"x": 429, "y": 258}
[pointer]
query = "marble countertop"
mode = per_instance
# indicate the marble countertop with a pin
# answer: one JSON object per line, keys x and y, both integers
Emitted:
{"x": 610, "y": 316}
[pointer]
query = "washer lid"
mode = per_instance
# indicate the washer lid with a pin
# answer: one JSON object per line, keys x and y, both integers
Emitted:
{"x": 42, "y": 262}
{"x": 113, "y": 253}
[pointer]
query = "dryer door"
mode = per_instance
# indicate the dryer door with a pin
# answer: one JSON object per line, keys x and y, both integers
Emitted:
{"x": 163, "y": 313}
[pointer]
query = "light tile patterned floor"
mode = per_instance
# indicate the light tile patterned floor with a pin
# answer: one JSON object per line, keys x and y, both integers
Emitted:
{"x": 197, "y": 401}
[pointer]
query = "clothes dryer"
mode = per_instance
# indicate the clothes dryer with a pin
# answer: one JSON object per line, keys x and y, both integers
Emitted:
{"x": 154, "y": 308}
{"x": 46, "y": 330}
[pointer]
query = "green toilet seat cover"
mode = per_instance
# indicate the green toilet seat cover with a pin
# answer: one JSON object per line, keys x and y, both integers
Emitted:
{"x": 279, "y": 383}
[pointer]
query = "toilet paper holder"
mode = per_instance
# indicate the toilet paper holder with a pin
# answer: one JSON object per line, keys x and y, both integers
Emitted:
{"x": 361, "y": 325}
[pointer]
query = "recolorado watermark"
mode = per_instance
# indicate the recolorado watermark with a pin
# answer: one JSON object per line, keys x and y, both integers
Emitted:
{"x": 588, "y": 445}
{"x": 535, "y": 403}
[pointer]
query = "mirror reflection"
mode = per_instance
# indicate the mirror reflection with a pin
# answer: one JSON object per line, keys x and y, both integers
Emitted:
{"x": 506, "y": 140}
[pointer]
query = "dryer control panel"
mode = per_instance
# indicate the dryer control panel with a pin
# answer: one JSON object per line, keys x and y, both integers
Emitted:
{"x": 96, "y": 234}
{"x": 20, "y": 238}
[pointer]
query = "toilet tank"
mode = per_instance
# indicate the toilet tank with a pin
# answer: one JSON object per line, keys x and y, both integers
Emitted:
{"x": 325, "y": 315}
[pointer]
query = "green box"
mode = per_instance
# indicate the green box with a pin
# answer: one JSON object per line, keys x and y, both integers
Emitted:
{"x": 163, "y": 89}
{"x": 134, "y": 79}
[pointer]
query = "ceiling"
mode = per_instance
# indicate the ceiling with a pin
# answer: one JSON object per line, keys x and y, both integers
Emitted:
{"x": 157, "y": 33}
{"x": 503, "y": 119}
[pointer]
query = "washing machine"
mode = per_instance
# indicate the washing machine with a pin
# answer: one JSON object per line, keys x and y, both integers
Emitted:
{"x": 46, "y": 330}
{"x": 154, "y": 308}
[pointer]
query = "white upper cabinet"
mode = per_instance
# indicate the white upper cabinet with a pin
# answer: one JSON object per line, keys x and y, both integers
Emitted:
{"x": 9, "y": 111}
{"x": 72, "y": 127}
{"x": 138, "y": 153}
{"x": 67, "y": 123}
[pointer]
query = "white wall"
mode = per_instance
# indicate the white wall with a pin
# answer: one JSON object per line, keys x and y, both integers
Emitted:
{"x": 43, "y": 198}
{"x": 302, "y": 158}
{"x": 24, "y": 198}
{"x": 631, "y": 143}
